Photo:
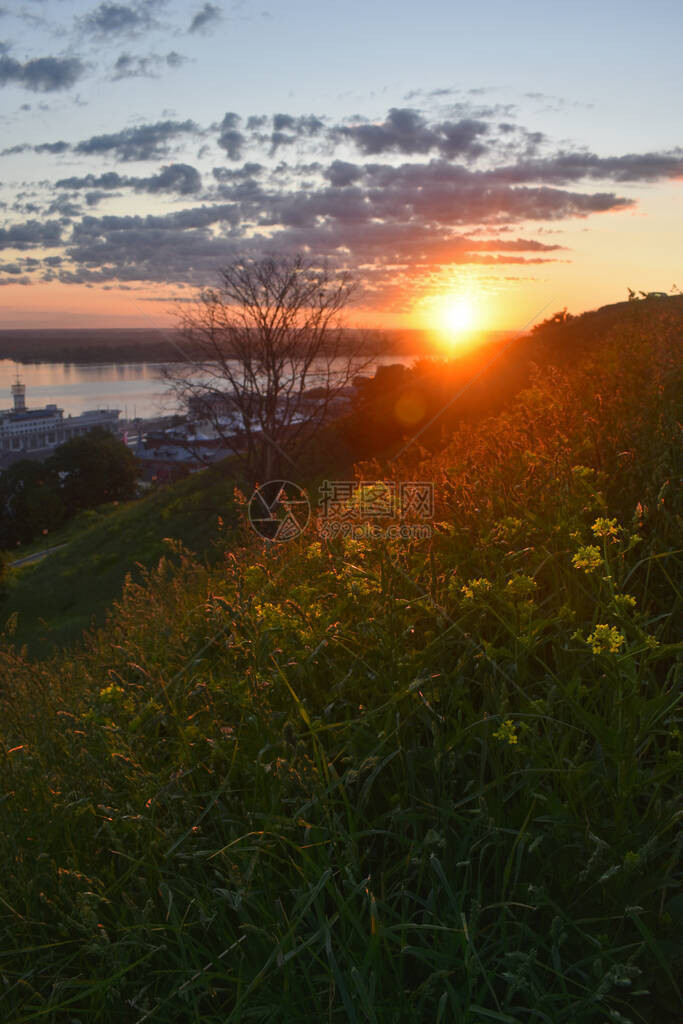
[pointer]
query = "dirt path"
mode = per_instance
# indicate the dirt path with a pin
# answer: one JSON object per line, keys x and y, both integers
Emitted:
{"x": 35, "y": 557}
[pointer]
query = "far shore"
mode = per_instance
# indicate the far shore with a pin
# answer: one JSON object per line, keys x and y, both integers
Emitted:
{"x": 144, "y": 345}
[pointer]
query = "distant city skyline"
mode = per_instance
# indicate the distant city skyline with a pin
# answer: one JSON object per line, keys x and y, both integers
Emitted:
{"x": 502, "y": 156}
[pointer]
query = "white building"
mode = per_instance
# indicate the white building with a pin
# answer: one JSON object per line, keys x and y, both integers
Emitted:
{"x": 24, "y": 430}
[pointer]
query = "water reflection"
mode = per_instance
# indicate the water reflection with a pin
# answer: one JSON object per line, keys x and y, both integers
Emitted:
{"x": 137, "y": 389}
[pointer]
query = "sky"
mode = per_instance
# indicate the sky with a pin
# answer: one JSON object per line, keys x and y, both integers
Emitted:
{"x": 508, "y": 158}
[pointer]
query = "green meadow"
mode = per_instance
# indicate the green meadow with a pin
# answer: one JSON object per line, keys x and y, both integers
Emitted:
{"x": 366, "y": 780}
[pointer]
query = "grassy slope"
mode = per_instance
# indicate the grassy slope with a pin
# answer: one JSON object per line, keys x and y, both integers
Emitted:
{"x": 379, "y": 782}
{"x": 56, "y": 599}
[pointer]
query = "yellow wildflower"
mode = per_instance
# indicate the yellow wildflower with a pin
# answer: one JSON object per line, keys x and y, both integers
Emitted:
{"x": 606, "y": 528}
{"x": 112, "y": 692}
{"x": 521, "y": 586}
{"x": 624, "y": 602}
{"x": 587, "y": 558}
{"x": 507, "y": 732}
{"x": 476, "y": 587}
{"x": 605, "y": 639}
{"x": 314, "y": 550}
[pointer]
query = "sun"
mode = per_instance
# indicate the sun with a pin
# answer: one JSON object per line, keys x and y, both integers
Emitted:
{"x": 455, "y": 314}
{"x": 454, "y": 319}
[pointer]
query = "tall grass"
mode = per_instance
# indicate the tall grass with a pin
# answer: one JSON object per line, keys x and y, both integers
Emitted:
{"x": 435, "y": 781}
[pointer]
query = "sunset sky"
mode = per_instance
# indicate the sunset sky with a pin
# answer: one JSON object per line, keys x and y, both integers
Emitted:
{"x": 499, "y": 155}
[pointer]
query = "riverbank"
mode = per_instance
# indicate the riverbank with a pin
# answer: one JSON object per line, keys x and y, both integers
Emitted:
{"x": 151, "y": 345}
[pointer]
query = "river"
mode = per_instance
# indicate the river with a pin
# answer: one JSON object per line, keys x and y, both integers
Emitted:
{"x": 137, "y": 389}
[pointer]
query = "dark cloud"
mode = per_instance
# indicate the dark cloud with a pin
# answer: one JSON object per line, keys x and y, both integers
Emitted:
{"x": 175, "y": 247}
{"x": 231, "y": 139}
{"x": 306, "y": 125}
{"x": 15, "y": 280}
{"x": 31, "y": 233}
{"x": 424, "y": 193}
{"x": 562, "y": 167}
{"x": 144, "y": 142}
{"x": 121, "y": 231}
{"x": 110, "y": 180}
{"x": 65, "y": 207}
{"x": 181, "y": 179}
{"x": 248, "y": 170}
{"x": 406, "y": 131}
{"x": 411, "y": 220}
{"x": 128, "y": 66}
{"x": 135, "y": 66}
{"x": 175, "y": 59}
{"x": 461, "y": 138}
{"x": 51, "y": 147}
{"x": 341, "y": 173}
{"x": 207, "y": 16}
{"x": 288, "y": 130}
{"x": 42, "y": 74}
{"x": 403, "y": 131}
{"x": 119, "y": 19}
{"x": 95, "y": 197}
{"x": 43, "y": 147}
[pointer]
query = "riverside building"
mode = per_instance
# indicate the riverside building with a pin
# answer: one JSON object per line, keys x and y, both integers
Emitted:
{"x": 27, "y": 432}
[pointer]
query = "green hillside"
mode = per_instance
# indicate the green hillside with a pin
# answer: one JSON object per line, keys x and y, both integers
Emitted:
{"x": 54, "y": 600}
{"x": 370, "y": 779}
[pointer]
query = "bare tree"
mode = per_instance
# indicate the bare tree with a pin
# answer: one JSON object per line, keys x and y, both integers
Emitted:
{"x": 270, "y": 356}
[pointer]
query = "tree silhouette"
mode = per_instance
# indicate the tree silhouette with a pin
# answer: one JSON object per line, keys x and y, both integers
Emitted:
{"x": 270, "y": 356}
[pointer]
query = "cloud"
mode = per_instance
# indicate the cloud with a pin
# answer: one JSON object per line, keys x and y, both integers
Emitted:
{"x": 65, "y": 207}
{"x": 42, "y": 74}
{"x": 406, "y": 131}
{"x": 31, "y": 233}
{"x": 181, "y": 179}
{"x": 175, "y": 59}
{"x": 144, "y": 142}
{"x": 248, "y": 170}
{"x": 230, "y": 139}
{"x": 120, "y": 19}
{"x": 178, "y": 246}
{"x": 288, "y": 129}
{"x": 341, "y": 173}
{"x": 207, "y": 16}
{"x": 403, "y": 131}
{"x": 404, "y": 198}
{"x": 51, "y": 147}
{"x": 462, "y": 138}
{"x": 306, "y": 125}
{"x": 135, "y": 66}
{"x": 563, "y": 167}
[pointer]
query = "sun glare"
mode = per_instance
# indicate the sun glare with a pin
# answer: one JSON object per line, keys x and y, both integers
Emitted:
{"x": 454, "y": 319}
{"x": 455, "y": 315}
